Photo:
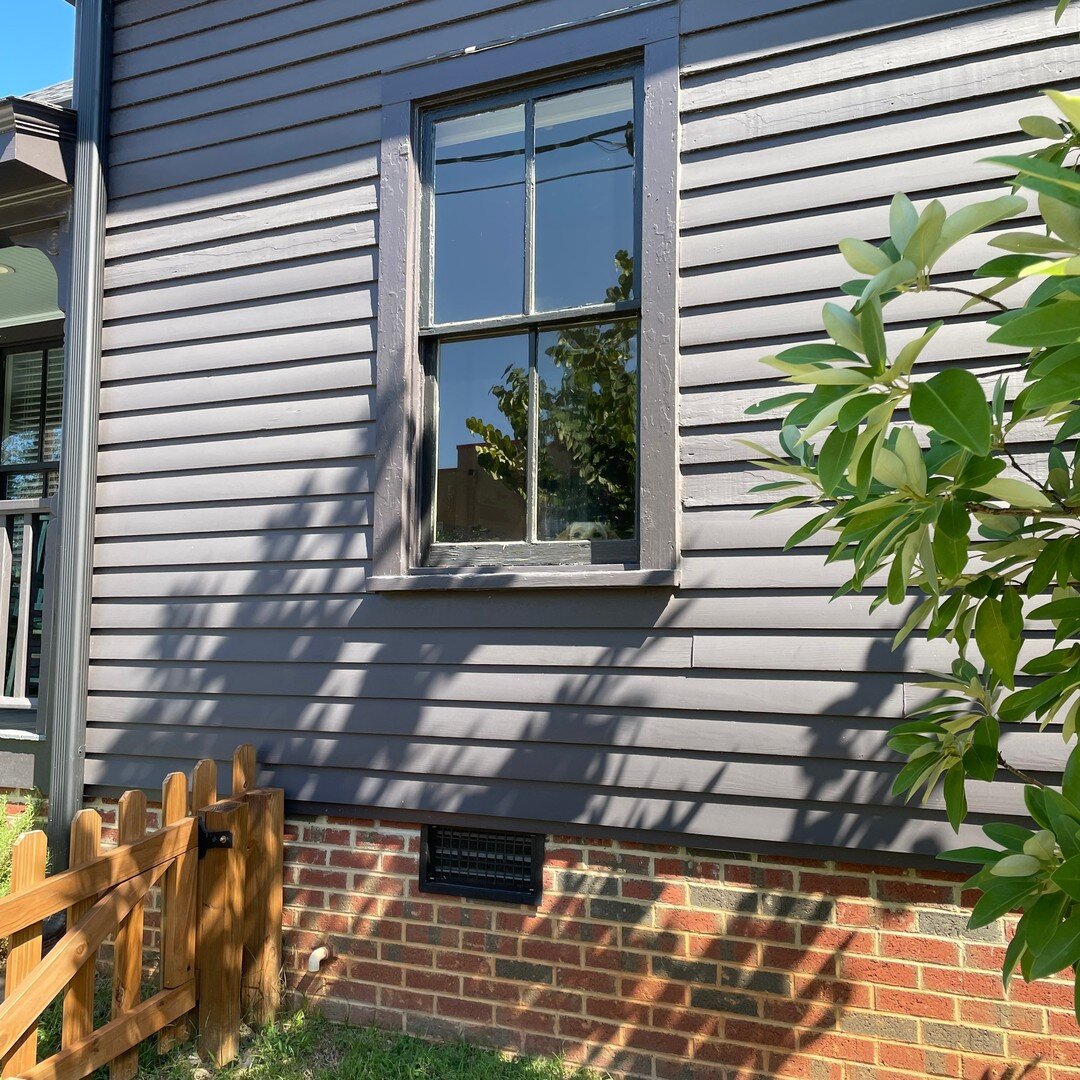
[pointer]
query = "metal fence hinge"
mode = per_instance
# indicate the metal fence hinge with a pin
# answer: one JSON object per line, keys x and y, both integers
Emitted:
{"x": 213, "y": 839}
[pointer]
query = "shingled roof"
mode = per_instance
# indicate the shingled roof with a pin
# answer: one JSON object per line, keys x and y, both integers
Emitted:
{"x": 57, "y": 94}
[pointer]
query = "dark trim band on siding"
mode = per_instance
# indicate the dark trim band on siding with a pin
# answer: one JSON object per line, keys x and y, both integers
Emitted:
{"x": 65, "y": 681}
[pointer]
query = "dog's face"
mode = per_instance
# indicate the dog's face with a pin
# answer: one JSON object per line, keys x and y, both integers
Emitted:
{"x": 585, "y": 530}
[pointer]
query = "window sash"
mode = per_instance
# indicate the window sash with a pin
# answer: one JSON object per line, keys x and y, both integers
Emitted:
{"x": 531, "y": 550}
{"x": 527, "y": 97}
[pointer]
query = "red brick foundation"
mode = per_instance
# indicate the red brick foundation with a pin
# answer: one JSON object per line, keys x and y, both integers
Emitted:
{"x": 673, "y": 964}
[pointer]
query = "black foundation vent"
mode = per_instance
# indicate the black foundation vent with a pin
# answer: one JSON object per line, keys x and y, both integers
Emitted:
{"x": 491, "y": 865}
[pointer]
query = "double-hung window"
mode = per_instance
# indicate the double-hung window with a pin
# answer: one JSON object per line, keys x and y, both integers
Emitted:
{"x": 529, "y": 327}
{"x": 527, "y": 313}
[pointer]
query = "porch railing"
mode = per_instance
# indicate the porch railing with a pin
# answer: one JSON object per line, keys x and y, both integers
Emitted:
{"x": 24, "y": 573}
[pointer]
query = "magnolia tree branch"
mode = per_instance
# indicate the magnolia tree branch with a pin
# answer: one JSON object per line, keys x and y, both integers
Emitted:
{"x": 967, "y": 292}
{"x": 1026, "y": 777}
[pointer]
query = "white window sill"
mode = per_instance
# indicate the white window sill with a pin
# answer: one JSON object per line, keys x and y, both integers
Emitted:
{"x": 539, "y": 577}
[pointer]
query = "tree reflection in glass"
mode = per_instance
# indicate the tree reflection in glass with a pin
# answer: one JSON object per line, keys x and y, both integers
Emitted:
{"x": 587, "y": 408}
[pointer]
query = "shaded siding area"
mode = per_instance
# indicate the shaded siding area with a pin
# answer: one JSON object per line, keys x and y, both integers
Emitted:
{"x": 237, "y": 435}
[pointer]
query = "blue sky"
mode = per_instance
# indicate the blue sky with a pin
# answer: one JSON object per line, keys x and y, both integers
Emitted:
{"x": 36, "y": 45}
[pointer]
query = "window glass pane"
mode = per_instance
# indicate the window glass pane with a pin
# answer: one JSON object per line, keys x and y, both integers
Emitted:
{"x": 479, "y": 208}
{"x": 483, "y": 439}
{"x": 54, "y": 392}
{"x": 22, "y": 408}
{"x": 587, "y": 461}
{"x": 585, "y": 197}
{"x": 25, "y": 485}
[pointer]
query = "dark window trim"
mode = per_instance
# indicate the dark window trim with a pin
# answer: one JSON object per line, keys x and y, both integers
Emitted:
{"x": 648, "y": 38}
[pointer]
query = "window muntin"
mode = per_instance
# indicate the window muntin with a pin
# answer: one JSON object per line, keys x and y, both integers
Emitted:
{"x": 533, "y": 432}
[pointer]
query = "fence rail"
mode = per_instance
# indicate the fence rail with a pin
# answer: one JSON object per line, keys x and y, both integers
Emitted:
{"x": 219, "y": 866}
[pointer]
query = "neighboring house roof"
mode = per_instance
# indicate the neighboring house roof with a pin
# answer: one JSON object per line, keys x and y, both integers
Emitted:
{"x": 58, "y": 94}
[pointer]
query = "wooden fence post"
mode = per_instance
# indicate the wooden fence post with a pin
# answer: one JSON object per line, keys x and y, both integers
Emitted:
{"x": 221, "y": 933}
{"x": 178, "y": 910}
{"x": 128, "y": 948}
{"x": 262, "y": 909}
{"x": 27, "y": 868}
{"x": 78, "y": 1010}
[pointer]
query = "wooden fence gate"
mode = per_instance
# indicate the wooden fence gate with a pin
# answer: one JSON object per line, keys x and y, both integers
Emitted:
{"x": 219, "y": 867}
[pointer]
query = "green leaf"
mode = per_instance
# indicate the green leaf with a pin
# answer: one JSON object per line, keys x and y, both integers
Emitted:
{"x": 1013, "y": 954}
{"x": 1070, "y": 780}
{"x": 1017, "y": 493}
{"x": 999, "y": 900}
{"x": 864, "y": 258}
{"x": 892, "y": 277}
{"x": 770, "y": 404}
{"x": 1060, "y": 951}
{"x": 1016, "y": 866}
{"x": 834, "y": 458}
{"x": 873, "y": 334}
{"x": 954, "y": 405}
{"x": 906, "y": 357}
{"x": 955, "y": 798}
{"x": 951, "y": 539}
{"x": 1009, "y": 266}
{"x": 969, "y": 219}
{"x": 982, "y": 855}
{"x": 1042, "y": 920}
{"x": 1069, "y": 105}
{"x": 842, "y": 327}
{"x": 1060, "y": 384}
{"x": 981, "y": 761}
{"x": 1035, "y": 801}
{"x": 1044, "y": 568}
{"x": 1062, "y": 7}
{"x": 1067, "y": 877}
{"x": 1043, "y": 176}
{"x": 1040, "y": 127}
{"x": 903, "y": 220}
{"x": 920, "y": 248}
{"x": 998, "y": 646}
{"x": 853, "y": 410}
{"x": 1062, "y": 219}
{"x": 1057, "y": 323}
{"x": 817, "y": 352}
{"x": 1008, "y": 835}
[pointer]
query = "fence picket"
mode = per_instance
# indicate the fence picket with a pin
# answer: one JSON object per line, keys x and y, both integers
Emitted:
{"x": 79, "y": 997}
{"x": 27, "y": 868}
{"x": 262, "y": 909}
{"x": 203, "y": 785}
{"x": 244, "y": 769}
{"x": 128, "y": 950}
{"x": 178, "y": 910}
{"x": 221, "y": 934}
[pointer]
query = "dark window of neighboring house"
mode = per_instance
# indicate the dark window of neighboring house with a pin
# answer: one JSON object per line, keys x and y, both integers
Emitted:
{"x": 530, "y": 317}
{"x": 31, "y": 384}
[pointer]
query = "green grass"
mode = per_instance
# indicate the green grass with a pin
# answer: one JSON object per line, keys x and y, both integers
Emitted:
{"x": 12, "y": 826}
{"x": 307, "y": 1047}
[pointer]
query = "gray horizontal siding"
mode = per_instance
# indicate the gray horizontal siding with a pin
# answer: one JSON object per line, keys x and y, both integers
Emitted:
{"x": 237, "y": 432}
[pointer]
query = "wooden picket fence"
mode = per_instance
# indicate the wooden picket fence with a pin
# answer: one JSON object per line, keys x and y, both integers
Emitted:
{"x": 219, "y": 865}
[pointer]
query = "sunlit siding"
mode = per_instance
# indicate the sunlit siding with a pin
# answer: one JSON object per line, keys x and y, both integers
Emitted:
{"x": 236, "y": 460}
